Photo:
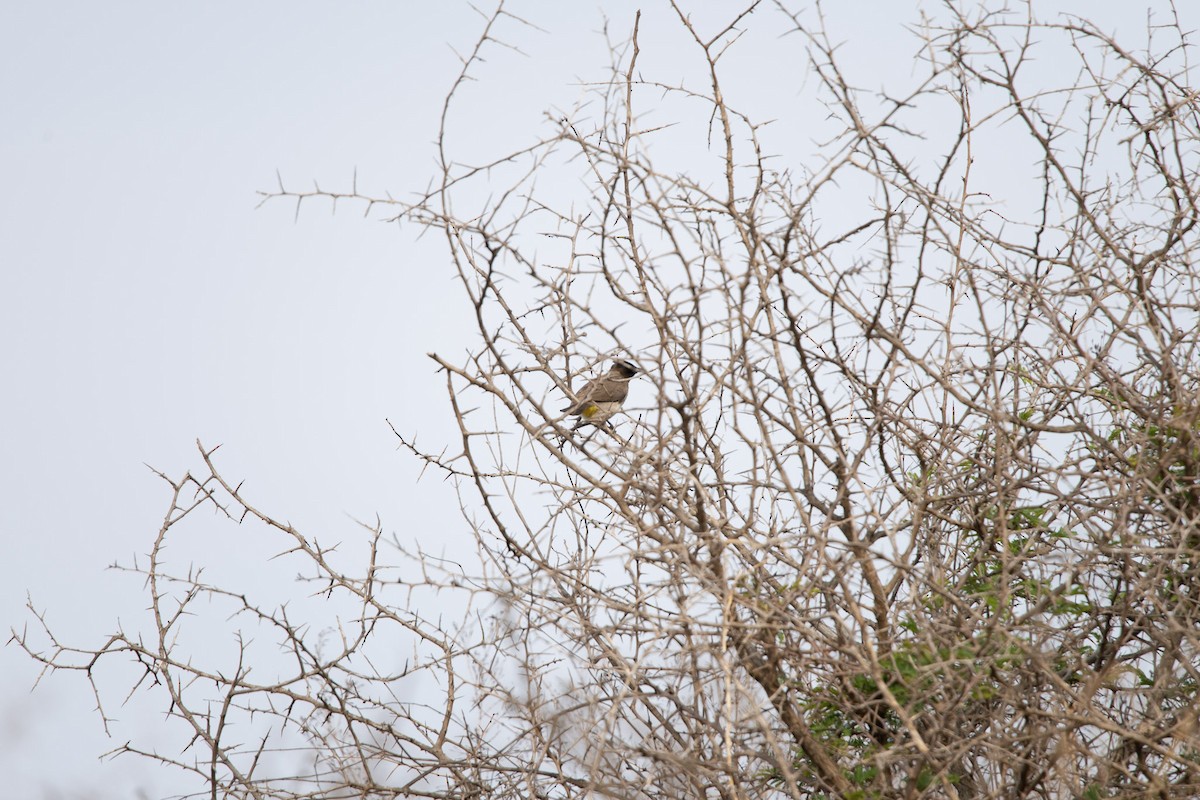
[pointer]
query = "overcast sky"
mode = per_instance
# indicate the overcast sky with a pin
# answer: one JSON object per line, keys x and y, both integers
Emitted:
{"x": 145, "y": 302}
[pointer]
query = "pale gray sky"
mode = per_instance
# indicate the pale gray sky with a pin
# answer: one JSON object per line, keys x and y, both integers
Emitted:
{"x": 145, "y": 303}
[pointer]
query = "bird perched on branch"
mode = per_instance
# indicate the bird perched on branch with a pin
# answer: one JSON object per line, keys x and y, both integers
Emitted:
{"x": 599, "y": 399}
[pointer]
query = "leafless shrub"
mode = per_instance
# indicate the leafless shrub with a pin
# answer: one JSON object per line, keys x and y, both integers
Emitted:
{"x": 904, "y": 505}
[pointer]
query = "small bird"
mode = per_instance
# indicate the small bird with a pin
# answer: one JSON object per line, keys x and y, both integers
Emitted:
{"x": 599, "y": 399}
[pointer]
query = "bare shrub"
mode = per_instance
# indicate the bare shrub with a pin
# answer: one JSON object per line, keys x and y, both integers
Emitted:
{"x": 904, "y": 504}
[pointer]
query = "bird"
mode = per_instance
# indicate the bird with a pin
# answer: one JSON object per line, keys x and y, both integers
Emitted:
{"x": 599, "y": 399}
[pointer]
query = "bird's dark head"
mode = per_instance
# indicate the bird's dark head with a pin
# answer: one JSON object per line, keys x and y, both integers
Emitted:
{"x": 626, "y": 369}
